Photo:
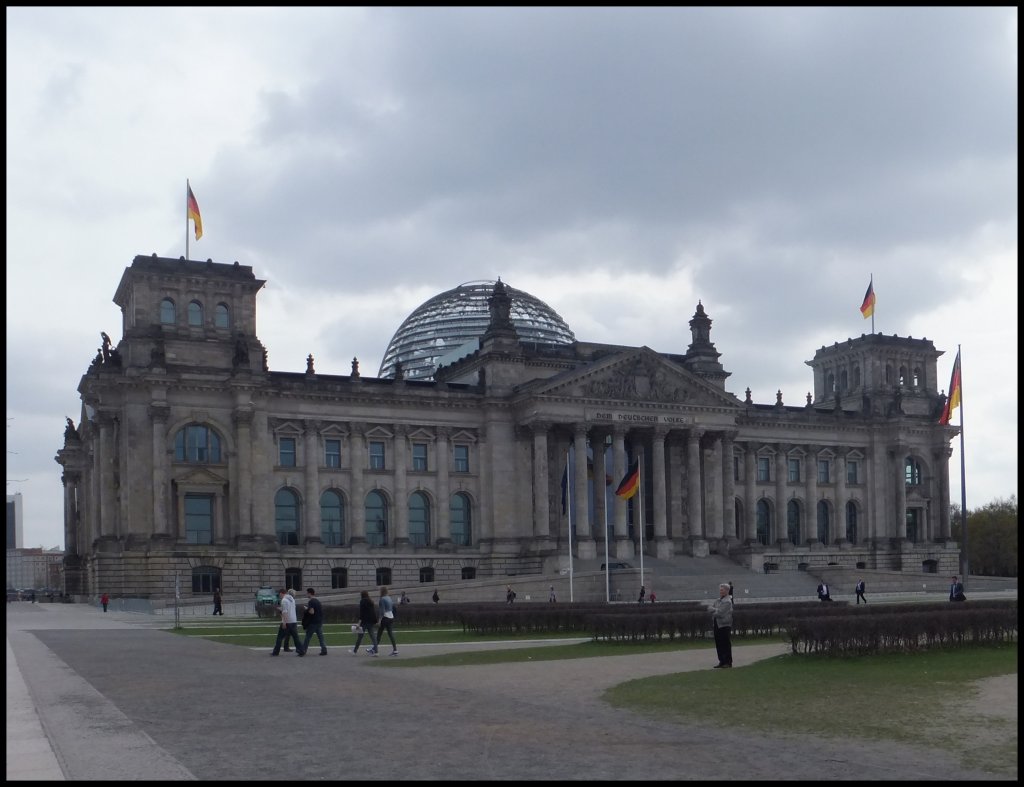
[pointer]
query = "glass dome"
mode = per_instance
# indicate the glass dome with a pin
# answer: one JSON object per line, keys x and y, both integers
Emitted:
{"x": 449, "y": 326}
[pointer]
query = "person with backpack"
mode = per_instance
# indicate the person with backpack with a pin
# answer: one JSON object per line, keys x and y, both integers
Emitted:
{"x": 859, "y": 589}
{"x": 956, "y": 590}
{"x": 386, "y": 607}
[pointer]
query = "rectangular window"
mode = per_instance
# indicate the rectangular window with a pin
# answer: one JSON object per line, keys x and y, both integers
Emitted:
{"x": 199, "y": 519}
{"x": 823, "y": 476}
{"x": 763, "y": 465}
{"x": 377, "y": 459}
{"x": 852, "y": 472}
{"x": 332, "y": 453}
{"x": 462, "y": 459}
{"x": 419, "y": 457}
{"x": 794, "y": 470}
{"x": 735, "y": 468}
{"x": 286, "y": 453}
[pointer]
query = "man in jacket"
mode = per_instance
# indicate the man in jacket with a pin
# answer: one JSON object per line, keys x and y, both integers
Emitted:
{"x": 313, "y": 621}
{"x": 956, "y": 590}
{"x": 721, "y": 616}
{"x": 289, "y": 624}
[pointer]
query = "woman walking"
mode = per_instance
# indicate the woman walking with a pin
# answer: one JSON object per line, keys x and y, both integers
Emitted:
{"x": 367, "y": 620}
{"x": 387, "y": 620}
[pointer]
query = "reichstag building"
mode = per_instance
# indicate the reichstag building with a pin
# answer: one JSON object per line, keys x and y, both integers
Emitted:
{"x": 193, "y": 462}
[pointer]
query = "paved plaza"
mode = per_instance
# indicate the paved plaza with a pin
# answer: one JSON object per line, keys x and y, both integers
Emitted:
{"x": 111, "y": 696}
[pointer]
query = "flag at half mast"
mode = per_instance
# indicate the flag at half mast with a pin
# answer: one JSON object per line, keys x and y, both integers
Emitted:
{"x": 954, "y": 393}
{"x": 630, "y": 484}
{"x": 193, "y": 211}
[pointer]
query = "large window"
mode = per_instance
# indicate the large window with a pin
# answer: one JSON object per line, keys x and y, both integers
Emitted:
{"x": 221, "y": 316}
{"x": 199, "y": 519}
{"x": 286, "y": 452}
{"x": 461, "y": 458}
{"x": 419, "y": 457}
{"x": 851, "y": 522}
{"x": 793, "y": 521}
{"x": 195, "y": 314}
{"x": 205, "y": 579}
{"x": 332, "y": 453}
{"x": 293, "y": 579}
{"x": 468, "y": 572}
{"x": 167, "y": 312}
{"x": 913, "y": 472}
{"x": 913, "y": 525}
{"x": 823, "y": 471}
{"x": 339, "y": 578}
{"x": 794, "y": 470}
{"x": 383, "y": 575}
{"x": 419, "y": 519}
{"x": 461, "y": 520}
{"x": 426, "y": 574}
{"x": 852, "y": 471}
{"x": 823, "y": 522}
{"x": 286, "y": 517}
{"x": 332, "y": 519}
{"x": 376, "y": 521}
{"x": 764, "y": 522}
{"x": 376, "y": 455}
{"x": 763, "y": 468}
{"x": 197, "y": 443}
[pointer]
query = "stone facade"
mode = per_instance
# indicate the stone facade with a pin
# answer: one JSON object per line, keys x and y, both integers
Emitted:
{"x": 193, "y": 463}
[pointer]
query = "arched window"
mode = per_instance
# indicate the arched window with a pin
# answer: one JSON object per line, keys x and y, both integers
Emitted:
{"x": 856, "y": 376}
{"x": 167, "y": 313}
{"x": 917, "y": 377}
{"x": 851, "y": 522}
{"x": 197, "y": 444}
{"x": 823, "y": 522}
{"x": 913, "y": 471}
{"x": 205, "y": 579}
{"x": 221, "y": 316}
{"x": 903, "y": 375}
{"x": 286, "y": 517}
{"x": 376, "y": 521}
{"x": 888, "y": 374}
{"x": 419, "y": 519}
{"x": 195, "y": 313}
{"x": 332, "y": 519}
{"x": 764, "y": 522}
{"x": 844, "y": 381}
{"x": 339, "y": 578}
{"x": 461, "y": 519}
{"x": 793, "y": 521}
{"x": 830, "y": 383}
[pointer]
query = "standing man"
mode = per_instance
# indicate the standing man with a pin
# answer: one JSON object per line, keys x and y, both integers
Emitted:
{"x": 551, "y": 595}
{"x": 643, "y": 593}
{"x": 105, "y": 599}
{"x": 721, "y": 616}
{"x": 859, "y": 589}
{"x": 289, "y": 625}
{"x": 217, "y": 609}
{"x": 314, "y": 622}
{"x": 956, "y": 590}
{"x": 823, "y": 594}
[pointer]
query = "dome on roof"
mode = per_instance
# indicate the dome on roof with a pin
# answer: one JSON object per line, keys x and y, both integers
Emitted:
{"x": 449, "y": 326}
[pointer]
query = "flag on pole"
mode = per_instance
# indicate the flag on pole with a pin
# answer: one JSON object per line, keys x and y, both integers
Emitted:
{"x": 630, "y": 483}
{"x": 193, "y": 212}
{"x": 867, "y": 308}
{"x": 954, "y": 392}
{"x": 565, "y": 486}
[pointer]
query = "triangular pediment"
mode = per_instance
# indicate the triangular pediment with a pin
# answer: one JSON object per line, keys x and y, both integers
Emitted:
{"x": 200, "y": 476}
{"x": 636, "y": 375}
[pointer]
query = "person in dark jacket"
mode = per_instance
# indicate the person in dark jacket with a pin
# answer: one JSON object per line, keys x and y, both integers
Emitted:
{"x": 367, "y": 621}
{"x": 956, "y": 590}
{"x": 313, "y": 622}
{"x": 721, "y": 616}
{"x": 217, "y": 608}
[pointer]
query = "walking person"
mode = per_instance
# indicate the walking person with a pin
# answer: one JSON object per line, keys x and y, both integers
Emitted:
{"x": 956, "y": 590}
{"x": 823, "y": 594}
{"x": 551, "y": 595}
{"x": 105, "y": 599}
{"x": 435, "y": 598}
{"x": 387, "y": 619}
{"x": 721, "y": 616}
{"x": 643, "y": 593}
{"x": 313, "y": 622}
{"x": 289, "y": 627}
{"x": 217, "y": 609}
{"x": 859, "y": 590}
{"x": 510, "y": 594}
{"x": 367, "y": 620}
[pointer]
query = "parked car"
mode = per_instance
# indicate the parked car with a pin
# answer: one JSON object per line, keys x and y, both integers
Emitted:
{"x": 266, "y": 596}
{"x": 613, "y": 566}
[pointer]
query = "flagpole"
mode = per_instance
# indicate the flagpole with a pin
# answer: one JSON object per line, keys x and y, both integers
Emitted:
{"x": 607, "y": 568}
{"x": 569, "y": 509}
{"x": 187, "y": 187}
{"x": 876, "y": 301}
{"x": 963, "y": 475}
{"x": 640, "y": 502}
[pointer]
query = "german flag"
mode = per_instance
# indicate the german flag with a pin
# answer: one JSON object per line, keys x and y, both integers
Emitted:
{"x": 868, "y": 307}
{"x": 193, "y": 212}
{"x": 953, "y": 401}
{"x": 630, "y": 484}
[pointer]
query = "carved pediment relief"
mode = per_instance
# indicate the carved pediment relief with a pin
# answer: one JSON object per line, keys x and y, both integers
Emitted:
{"x": 200, "y": 476}
{"x": 638, "y": 376}
{"x": 286, "y": 427}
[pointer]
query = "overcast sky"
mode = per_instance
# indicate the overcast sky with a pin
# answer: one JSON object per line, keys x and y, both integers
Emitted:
{"x": 620, "y": 165}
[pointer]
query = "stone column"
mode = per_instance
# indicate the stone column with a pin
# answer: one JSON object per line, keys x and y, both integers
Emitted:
{"x": 243, "y": 418}
{"x": 809, "y": 530}
{"x": 662, "y": 544}
{"x": 623, "y": 546}
{"x": 840, "y": 497}
{"x": 311, "y": 511}
{"x": 158, "y": 414}
{"x": 694, "y": 507}
{"x": 70, "y": 481}
{"x": 900, "y": 481}
{"x": 105, "y": 463}
{"x": 444, "y": 502}
{"x": 401, "y": 506}
{"x": 713, "y": 515}
{"x": 750, "y": 493}
{"x": 942, "y": 456}
{"x": 358, "y": 525}
{"x": 584, "y": 539}
{"x": 728, "y": 488}
{"x": 601, "y": 486}
{"x": 541, "y": 495}
{"x": 780, "y": 495}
